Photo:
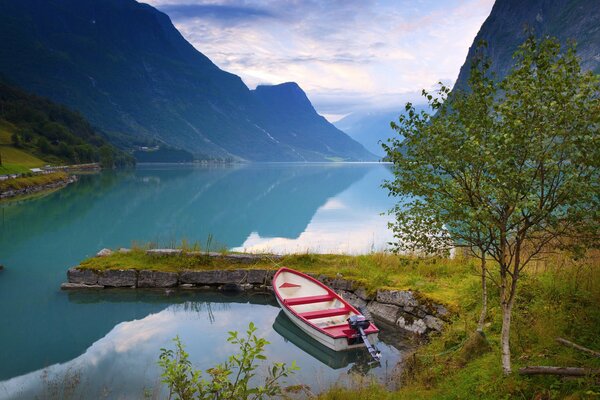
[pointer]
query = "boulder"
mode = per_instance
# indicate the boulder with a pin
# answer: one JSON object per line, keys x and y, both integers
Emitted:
{"x": 213, "y": 277}
{"x": 433, "y": 323}
{"x": 353, "y": 299}
{"x": 256, "y": 276}
{"x": 104, "y": 253}
{"x": 402, "y": 298}
{"x": 118, "y": 278}
{"x": 156, "y": 279}
{"x": 82, "y": 276}
{"x": 410, "y": 324}
{"x": 440, "y": 310}
{"x": 124, "y": 250}
{"x": 362, "y": 293}
{"x": 385, "y": 312}
{"x": 199, "y": 277}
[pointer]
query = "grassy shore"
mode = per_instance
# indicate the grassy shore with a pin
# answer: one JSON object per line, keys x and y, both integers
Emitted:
{"x": 441, "y": 280}
{"x": 559, "y": 297}
{"x": 31, "y": 181}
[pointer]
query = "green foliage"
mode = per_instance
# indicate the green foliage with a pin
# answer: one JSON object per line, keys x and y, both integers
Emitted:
{"x": 51, "y": 131}
{"x": 507, "y": 167}
{"x": 230, "y": 380}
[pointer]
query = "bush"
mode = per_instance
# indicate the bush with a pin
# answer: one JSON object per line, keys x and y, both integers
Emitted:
{"x": 186, "y": 384}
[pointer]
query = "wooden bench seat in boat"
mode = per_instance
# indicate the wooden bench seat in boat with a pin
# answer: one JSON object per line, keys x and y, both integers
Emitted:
{"x": 332, "y": 312}
{"x": 296, "y": 301}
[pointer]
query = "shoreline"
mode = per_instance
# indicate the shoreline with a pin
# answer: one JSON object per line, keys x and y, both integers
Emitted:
{"x": 15, "y": 193}
{"x": 407, "y": 310}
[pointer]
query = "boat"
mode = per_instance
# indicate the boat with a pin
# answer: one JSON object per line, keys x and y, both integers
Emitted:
{"x": 323, "y": 314}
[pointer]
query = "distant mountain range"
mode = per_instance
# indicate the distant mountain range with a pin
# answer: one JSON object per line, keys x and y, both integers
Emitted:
{"x": 504, "y": 31}
{"x": 127, "y": 69}
{"x": 372, "y": 128}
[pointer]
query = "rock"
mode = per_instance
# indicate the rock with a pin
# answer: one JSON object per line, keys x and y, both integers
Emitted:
{"x": 164, "y": 252}
{"x": 104, "y": 253}
{"x": 118, "y": 278}
{"x": 69, "y": 286}
{"x": 124, "y": 250}
{"x": 213, "y": 277}
{"x": 157, "y": 279}
{"x": 385, "y": 312}
{"x": 1, "y": 267}
{"x": 256, "y": 276}
{"x": 402, "y": 298}
{"x": 353, "y": 299}
{"x": 362, "y": 293}
{"x": 440, "y": 310}
{"x": 412, "y": 324}
{"x": 187, "y": 286}
{"x": 433, "y": 323}
{"x": 199, "y": 277}
{"x": 82, "y": 276}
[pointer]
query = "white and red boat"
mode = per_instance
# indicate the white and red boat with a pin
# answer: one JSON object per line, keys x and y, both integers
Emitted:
{"x": 322, "y": 313}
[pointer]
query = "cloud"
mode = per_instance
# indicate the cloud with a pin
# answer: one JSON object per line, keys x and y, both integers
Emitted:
{"x": 347, "y": 55}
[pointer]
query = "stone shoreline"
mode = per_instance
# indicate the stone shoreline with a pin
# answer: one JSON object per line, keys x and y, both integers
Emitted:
{"x": 402, "y": 308}
{"x": 38, "y": 188}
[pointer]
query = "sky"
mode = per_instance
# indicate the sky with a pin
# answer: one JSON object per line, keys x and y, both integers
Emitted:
{"x": 348, "y": 55}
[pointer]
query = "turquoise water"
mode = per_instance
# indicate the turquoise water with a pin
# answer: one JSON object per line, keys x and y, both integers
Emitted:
{"x": 110, "y": 340}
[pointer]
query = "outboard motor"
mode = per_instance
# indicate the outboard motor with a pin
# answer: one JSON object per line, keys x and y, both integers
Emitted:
{"x": 359, "y": 323}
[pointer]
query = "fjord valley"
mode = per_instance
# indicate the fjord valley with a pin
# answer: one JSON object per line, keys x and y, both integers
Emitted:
{"x": 231, "y": 199}
{"x": 126, "y": 68}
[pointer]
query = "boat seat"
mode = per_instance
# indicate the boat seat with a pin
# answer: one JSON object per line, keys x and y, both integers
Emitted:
{"x": 309, "y": 299}
{"x": 332, "y": 312}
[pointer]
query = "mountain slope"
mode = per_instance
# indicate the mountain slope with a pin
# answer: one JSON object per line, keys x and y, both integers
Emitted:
{"x": 503, "y": 30}
{"x": 34, "y": 128}
{"x": 130, "y": 72}
{"x": 310, "y": 134}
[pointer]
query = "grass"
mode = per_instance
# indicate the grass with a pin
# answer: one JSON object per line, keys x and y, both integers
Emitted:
{"x": 558, "y": 297}
{"x": 442, "y": 280}
{"x": 28, "y": 181}
{"x": 14, "y": 161}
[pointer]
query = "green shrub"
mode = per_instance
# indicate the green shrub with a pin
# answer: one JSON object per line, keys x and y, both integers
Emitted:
{"x": 229, "y": 380}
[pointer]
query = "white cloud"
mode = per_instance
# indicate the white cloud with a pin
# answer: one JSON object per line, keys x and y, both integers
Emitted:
{"x": 347, "y": 55}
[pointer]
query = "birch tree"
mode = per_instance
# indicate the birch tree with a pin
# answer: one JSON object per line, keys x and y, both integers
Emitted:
{"x": 514, "y": 174}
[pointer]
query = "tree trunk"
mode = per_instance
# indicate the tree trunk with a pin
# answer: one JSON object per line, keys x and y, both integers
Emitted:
{"x": 505, "y": 337}
{"x": 484, "y": 296}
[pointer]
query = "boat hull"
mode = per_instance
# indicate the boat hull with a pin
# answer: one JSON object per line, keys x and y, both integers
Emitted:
{"x": 337, "y": 344}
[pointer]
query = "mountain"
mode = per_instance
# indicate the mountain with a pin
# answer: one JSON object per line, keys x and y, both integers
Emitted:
{"x": 308, "y": 133}
{"x": 371, "y": 128}
{"x": 34, "y": 127}
{"x": 124, "y": 66}
{"x": 503, "y": 30}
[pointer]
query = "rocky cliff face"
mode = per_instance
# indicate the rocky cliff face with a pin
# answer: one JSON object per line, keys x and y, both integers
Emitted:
{"x": 130, "y": 72}
{"x": 504, "y": 31}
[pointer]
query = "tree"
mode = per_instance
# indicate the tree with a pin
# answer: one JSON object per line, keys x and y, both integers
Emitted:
{"x": 185, "y": 382}
{"x": 512, "y": 175}
{"x": 107, "y": 159}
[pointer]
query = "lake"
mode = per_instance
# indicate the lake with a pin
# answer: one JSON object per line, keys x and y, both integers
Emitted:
{"x": 107, "y": 343}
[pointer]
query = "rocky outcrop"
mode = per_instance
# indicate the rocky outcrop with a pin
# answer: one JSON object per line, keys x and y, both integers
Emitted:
{"x": 402, "y": 308}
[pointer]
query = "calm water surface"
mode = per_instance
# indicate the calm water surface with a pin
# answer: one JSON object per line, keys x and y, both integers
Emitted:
{"x": 108, "y": 342}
